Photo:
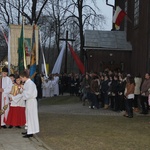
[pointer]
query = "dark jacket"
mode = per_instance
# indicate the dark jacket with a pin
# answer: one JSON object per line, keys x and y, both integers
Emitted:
{"x": 105, "y": 86}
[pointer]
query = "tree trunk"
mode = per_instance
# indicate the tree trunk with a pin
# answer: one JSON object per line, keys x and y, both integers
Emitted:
{"x": 80, "y": 7}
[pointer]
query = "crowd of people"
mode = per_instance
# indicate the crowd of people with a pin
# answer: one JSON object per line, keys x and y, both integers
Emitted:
{"x": 117, "y": 91}
{"x": 108, "y": 90}
{"x": 18, "y": 101}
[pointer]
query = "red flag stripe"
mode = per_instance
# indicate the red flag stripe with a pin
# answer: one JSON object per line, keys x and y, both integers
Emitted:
{"x": 118, "y": 16}
{"x": 77, "y": 60}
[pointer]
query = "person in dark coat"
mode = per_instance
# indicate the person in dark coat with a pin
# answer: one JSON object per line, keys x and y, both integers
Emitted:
{"x": 38, "y": 83}
{"x": 72, "y": 84}
{"x": 94, "y": 90}
{"x": 104, "y": 90}
{"x": 115, "y": 89}
{"x": 121, "y": 90}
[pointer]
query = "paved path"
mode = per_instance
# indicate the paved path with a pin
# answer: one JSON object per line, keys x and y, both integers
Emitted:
{"x": 11, "y": 139}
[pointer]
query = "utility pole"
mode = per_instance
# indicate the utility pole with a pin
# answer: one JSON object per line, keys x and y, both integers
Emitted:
{"x": 66, "y": 53}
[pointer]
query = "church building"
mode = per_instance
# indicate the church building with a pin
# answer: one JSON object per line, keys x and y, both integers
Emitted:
{"x": 127, "y": 48}
{"x": 137, "y": 27}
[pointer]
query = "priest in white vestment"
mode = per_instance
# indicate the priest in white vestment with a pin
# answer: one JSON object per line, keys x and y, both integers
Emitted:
{"x": 29, "y": 94}
{"x": 5, "y": 89}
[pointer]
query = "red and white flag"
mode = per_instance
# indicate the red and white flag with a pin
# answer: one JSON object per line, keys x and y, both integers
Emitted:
{"x": 118, "y": 17}
{"x": 77, "y": 60}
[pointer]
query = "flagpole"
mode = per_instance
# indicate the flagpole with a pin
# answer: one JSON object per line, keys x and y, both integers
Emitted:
{"x": 43, "y": 56}
{"x": 9, "y": 58}
{"x": 24, "y": 54}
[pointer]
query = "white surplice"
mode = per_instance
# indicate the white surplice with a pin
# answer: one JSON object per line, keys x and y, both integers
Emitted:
{"x": 46, "y": 89}
{"x": 56, "y": 86}
{"x": 17, "y": 101}
{"x": 29, "y": 94}
{"x": 6, "y": 85}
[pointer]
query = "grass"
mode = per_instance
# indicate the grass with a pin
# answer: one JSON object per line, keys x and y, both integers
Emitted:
{"x": 78, "y": 132}
{"x": 59, "y": 100}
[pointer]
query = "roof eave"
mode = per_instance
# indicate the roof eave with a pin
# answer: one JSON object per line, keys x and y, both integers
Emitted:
{"x": 105, "y": 48}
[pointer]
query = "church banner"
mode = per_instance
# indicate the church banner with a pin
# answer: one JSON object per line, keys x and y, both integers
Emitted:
{"x": 15, "y": 31}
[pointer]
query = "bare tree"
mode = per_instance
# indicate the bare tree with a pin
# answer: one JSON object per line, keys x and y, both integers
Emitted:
{"x": 86, "y": 15}
{"x": 57, "y": 14}
{"x": 72, "y": 15}
{"x": 12, "y": 10}
{"x": 56, "y": 10}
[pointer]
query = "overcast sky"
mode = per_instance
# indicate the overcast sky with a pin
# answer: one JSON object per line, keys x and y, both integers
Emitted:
{"x": 106, "y": 11}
